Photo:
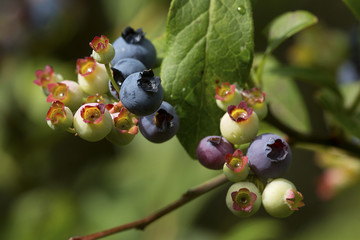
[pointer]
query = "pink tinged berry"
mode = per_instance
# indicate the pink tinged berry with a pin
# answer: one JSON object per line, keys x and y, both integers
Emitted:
{"x": 124, "y": 127}
{"x": 45, "y": 77}
{"x": 236, "y": 167}
{"x": 243, "y": 199}
{"x": 103, "y": 51}
{"x": 97, "y": 98}
{"x": 280, "y": 198}
{"x": 239, "y": 124}
{"x": 92, "y": 121}
{"x": 59, "y": 117}
{"x": 256, "y": 99}
{"x": 226, "y": 94}
{"x": 92, "y": 76}
{"x": 269, "y": 156}
{"x": 67, "y": 92}
{"x": 114, "y": 108}
{"x": 212, "y": 150}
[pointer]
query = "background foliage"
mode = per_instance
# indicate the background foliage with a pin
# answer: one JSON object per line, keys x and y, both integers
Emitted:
{"x": 54, "y": 185}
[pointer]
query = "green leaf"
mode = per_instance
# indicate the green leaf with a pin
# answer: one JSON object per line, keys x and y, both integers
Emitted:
{"x": 354, "y": 6}
{"x": 334, "y": 107}
{"x": 286, "y": 26}
{"x": 285, "y": 100}
{"x": 208, "y": 41}
{"x": 310, "y": 75}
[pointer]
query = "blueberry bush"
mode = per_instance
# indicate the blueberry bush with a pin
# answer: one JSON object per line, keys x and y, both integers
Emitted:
{"x": 108, "y": 128}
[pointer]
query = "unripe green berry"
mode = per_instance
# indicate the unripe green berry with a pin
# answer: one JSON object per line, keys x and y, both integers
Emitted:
{"x": 92, "y": 76}
{"x": 236, "y": 167}
{"x": 255, "y": 98}
{"x": 92, "y": 122}
{"x": 239, "y": 124}
{"x": 280, "y": 198}
{"x": 59, "y": 117}
{"x": 226, "y": 94}
{"x": 243, "y": 199}
{"x": 124, "y": 127}
{"x": 103, "y": 52}
{"x": 67, "y": 92}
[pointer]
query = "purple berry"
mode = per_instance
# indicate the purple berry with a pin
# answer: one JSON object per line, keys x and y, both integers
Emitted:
{"x": 161, "y": 125}
{"x": 212, "y": 150}
{"x": 269, "y": 155}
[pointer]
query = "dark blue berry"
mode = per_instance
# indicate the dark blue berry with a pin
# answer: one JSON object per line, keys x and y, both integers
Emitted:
{"x": 141, "y": 93}
{"x": 212, "y": 150}
{"x": 161, "y": 125}
{"x": 269, "y": 155}
{"x": 133, "y": 44}
{"x": 121, "y": 70}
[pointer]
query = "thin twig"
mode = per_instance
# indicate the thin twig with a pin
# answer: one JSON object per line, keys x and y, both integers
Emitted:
{"x": 113, "y": 82}
{"x": 141, "y": 224}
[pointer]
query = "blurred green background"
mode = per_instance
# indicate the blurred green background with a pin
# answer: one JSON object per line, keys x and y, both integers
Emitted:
{"x": 55, "y": 185}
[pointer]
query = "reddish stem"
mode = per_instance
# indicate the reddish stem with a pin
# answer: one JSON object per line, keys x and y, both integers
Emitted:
{"x": 141, "y": 224}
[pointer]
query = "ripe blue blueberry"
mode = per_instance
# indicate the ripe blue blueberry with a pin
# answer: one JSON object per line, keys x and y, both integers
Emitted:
{"x": 121, "y": 70}
{"x": 212, "y": 150}
{"x": 133, "y": 44}
{"x": 161, "y": 125}
{"x": 269, "y": 155}
{"x": 141, "y": 93}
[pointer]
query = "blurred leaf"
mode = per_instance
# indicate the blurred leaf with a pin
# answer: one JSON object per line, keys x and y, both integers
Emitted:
{"x": 354, "y": 6}
{"x": 208, "y": 42}
{"x": 41, "y": 214}
{"x": 160, "y": 46}
{"x": 333, "y": 105}
{"x": 339, "y": 222}
{"x": 288, "y": 107}
{"x": 287, "y": 25}
{"x": 249, "y": 230}
{"x": 311, "y": 75}
{"x": 350, "y": 92}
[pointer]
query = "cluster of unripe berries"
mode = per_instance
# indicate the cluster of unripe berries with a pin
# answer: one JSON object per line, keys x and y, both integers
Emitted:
{"x": 257, "y": 176}
{"x": 115, "y": 95}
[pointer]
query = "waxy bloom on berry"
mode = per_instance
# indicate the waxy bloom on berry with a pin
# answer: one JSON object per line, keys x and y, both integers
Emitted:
{"x": 103, "y": 51}
{"x": 59, "y": 116}
{"x": 92, "y": 121}
{"x": 67, "y": 92}
{"x": 46, "y": 76}
{"x": 239, "y": 124}
{"x": 124, "y": 127}
{"x": 236, "y": 167}
{"x": 280, "y": 198}
{"x": 226, "y": 94}
{"x": 256, "y": 99}
{"x": 92, "y": 76}
{"x": 243, "y": 199}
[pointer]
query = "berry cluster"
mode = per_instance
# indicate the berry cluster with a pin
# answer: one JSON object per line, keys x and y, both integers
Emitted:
{"x": 256, "y": 176}
{"x": 115, "y": 95}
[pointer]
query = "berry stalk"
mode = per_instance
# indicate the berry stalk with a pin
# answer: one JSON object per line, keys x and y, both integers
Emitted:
{"x": 108, "y": 70}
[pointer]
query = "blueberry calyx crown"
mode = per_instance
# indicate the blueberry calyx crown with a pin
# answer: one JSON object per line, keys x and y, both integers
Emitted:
{"x": 148, "y": 82}
{"x": 276, "y": 150}
{"x": 163, "y": 120}
{"x": 214, "y": 140}
{"x": 132, "y": 36}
